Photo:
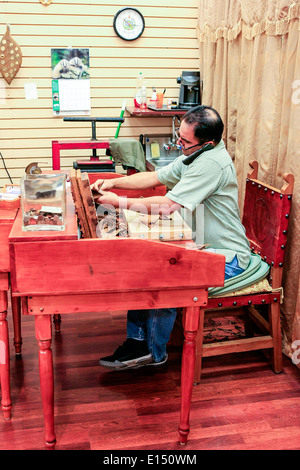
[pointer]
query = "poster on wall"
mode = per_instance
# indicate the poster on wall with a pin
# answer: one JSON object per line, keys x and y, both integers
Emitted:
{"x": 70, "y": 71}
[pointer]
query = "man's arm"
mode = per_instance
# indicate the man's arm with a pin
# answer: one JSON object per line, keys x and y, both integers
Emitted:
{"x": 143, "y": 180}
{"x": 151, "y": 205}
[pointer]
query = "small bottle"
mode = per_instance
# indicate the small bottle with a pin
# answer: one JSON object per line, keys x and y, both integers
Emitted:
{"x": 153, "y": 99}
{"x": 154, "y": 95}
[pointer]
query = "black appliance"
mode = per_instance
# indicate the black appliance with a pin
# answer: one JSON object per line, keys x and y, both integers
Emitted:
{"x": 190, "y": 89}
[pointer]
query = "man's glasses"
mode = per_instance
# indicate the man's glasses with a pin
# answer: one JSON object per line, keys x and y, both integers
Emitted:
{"x": 177, "y": 133}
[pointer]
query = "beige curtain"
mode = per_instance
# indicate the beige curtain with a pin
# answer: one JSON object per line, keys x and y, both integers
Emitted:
{"x": 250, "y": 66}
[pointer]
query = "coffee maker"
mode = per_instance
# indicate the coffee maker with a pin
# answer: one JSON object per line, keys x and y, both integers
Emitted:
{"x": 190, "y": 90}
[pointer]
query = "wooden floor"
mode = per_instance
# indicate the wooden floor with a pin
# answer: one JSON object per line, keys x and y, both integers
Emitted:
{"x": 240, "y": 403}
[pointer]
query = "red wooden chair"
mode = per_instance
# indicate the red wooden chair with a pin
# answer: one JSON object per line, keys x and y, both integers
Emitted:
{"x": 265, "y": 218}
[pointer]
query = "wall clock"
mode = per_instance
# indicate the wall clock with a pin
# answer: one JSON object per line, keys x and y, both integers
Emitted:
{"x": 129, "y": 23}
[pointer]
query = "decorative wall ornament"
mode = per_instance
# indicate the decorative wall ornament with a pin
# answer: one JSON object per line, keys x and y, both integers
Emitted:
{"x": 10, "y": 56}
{"x": 46, "y": 2}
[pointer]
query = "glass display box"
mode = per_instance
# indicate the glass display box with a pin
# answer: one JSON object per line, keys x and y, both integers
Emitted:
{"x": 43, "y": 202}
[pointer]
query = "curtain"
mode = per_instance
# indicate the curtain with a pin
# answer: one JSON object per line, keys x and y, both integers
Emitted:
{"x": 250, "y": 66}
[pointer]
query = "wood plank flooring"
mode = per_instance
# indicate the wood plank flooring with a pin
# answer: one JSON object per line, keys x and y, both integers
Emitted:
{"x": 239, "y": 405}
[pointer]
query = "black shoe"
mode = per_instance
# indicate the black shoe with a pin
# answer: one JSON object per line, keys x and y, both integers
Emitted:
{"x": 130, "y": 355}
{"x": 160, "y": 363}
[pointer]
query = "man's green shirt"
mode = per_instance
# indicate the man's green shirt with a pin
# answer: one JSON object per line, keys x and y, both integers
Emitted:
{"x": 210, "y": 179}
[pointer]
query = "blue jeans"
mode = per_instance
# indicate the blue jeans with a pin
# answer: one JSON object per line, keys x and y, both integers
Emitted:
{"x": 155, "y": 325}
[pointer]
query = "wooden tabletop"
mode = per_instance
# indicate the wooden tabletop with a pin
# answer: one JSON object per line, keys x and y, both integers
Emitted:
{"x": 7, "y": 215}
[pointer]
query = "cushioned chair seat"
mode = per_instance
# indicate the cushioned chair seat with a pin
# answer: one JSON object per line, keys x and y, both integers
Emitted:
{"x": 255, "y": 272}
{"x": 257, "y": 287}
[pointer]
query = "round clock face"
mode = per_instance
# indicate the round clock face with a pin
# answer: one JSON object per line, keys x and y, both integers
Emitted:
{"x": 129, "y": 24}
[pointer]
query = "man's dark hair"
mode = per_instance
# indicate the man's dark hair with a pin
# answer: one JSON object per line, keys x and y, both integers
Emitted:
{"x": 207, "y": 121}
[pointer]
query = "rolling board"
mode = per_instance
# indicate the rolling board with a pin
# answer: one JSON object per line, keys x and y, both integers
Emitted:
{"x": 157, "y": 227}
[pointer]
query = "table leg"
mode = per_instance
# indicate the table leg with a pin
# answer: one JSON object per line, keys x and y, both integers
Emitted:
{"x": 43, "y": 335}
{"x": 16, "y": 313}
{"x": 190, "y": 326}
{"x": 4, "y": 358}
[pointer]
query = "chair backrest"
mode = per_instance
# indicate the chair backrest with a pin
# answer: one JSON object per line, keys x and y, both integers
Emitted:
{"x": 266, "y": 216}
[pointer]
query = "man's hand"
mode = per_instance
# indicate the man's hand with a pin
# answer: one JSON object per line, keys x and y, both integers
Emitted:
{"x": 107, "y": 197}
{"x": 104, "y": 185}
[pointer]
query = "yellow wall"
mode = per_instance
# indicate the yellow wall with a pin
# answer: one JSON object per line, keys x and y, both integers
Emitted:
{"x": 167, "y": 46}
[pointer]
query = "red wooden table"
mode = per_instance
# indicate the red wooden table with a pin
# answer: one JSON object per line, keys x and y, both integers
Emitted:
{"x": 99, "y": 275}
{"x": 7, "y": 217}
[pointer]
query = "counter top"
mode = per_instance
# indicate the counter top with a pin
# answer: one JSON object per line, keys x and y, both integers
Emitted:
{"x": 151, "y": 113}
